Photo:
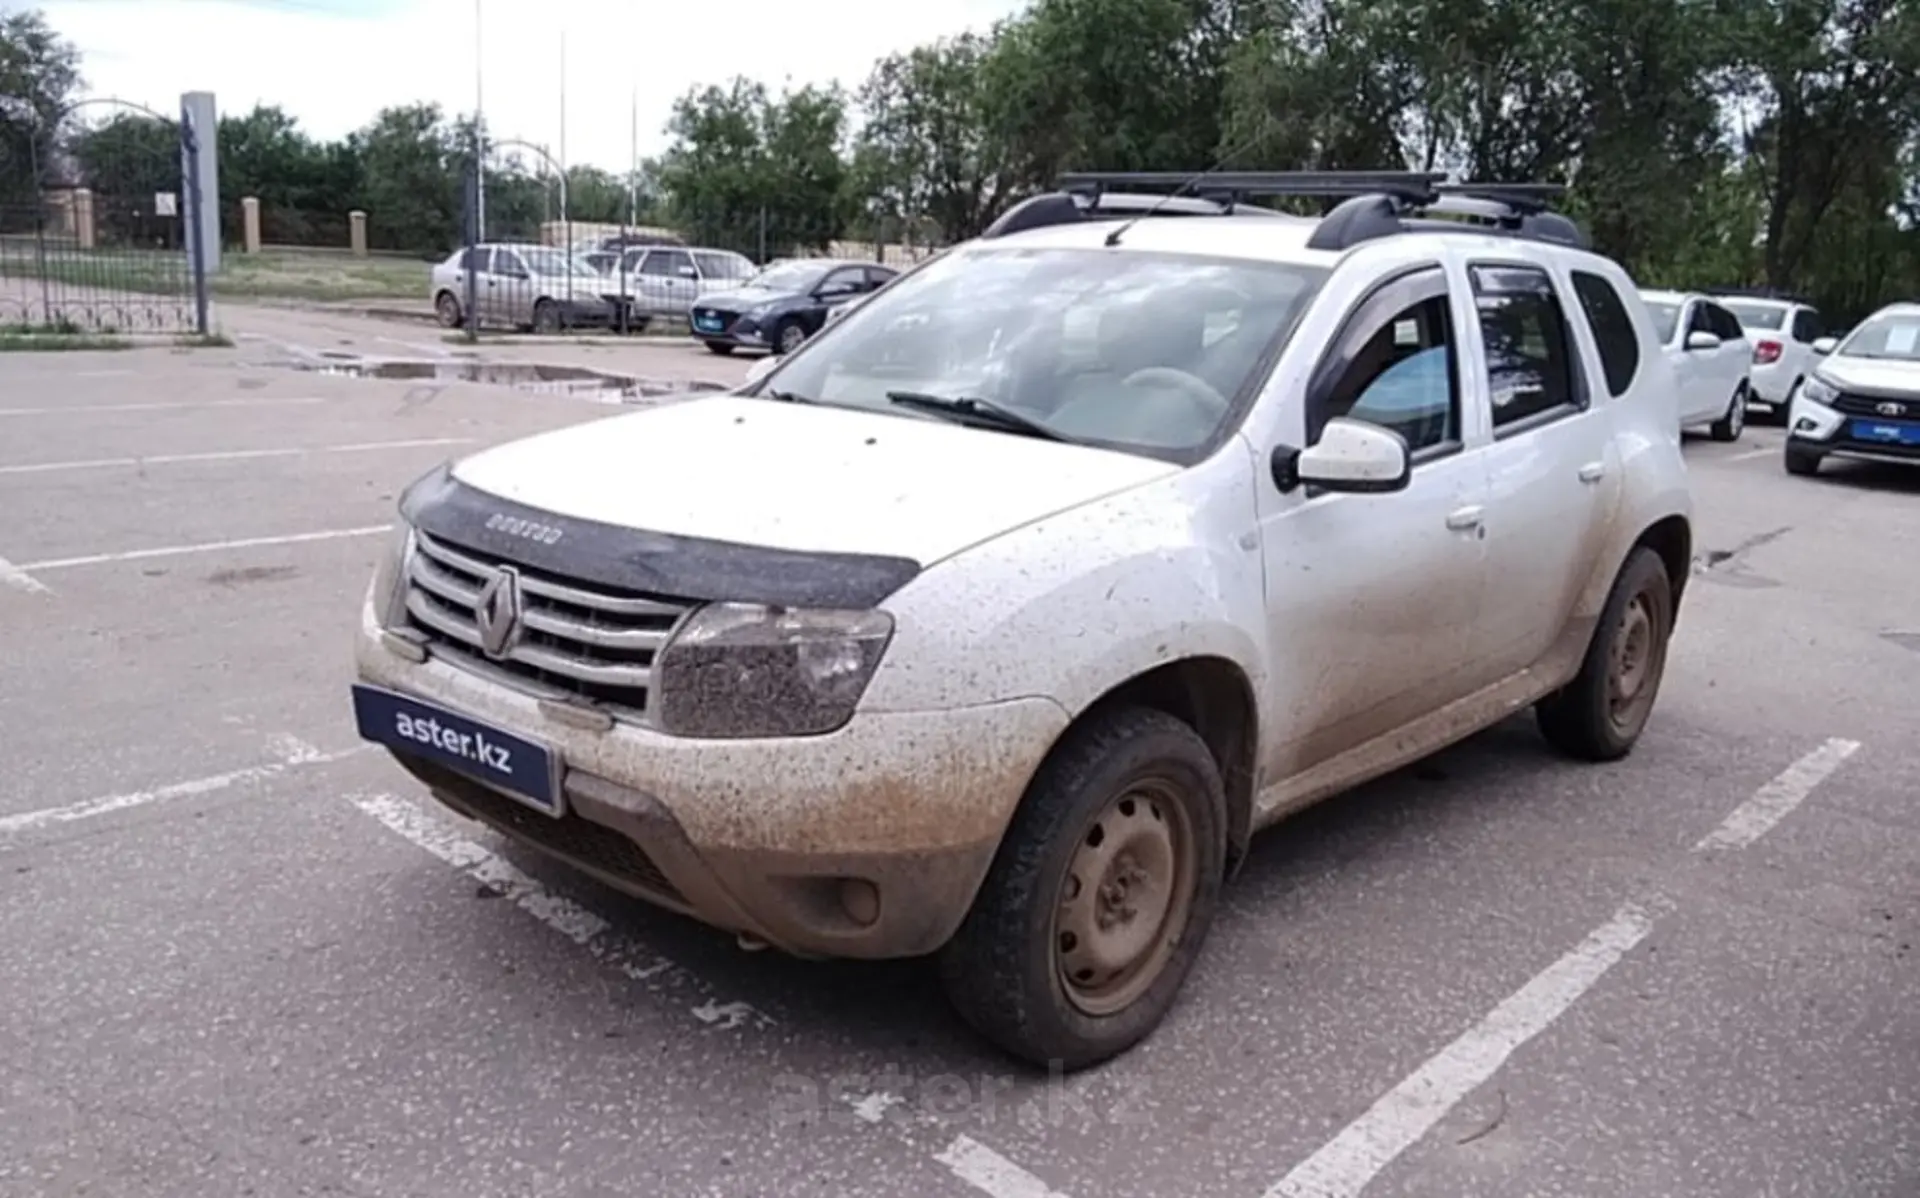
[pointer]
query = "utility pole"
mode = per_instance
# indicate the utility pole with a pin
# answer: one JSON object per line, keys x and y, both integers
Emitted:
{"x": 479, "y": 133}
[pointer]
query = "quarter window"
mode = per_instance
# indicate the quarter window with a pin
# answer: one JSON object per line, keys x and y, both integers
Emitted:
{"x": 1530, "y": 363}
{"x": 1806, "y": 325}
{"x": 1612, "y": 330}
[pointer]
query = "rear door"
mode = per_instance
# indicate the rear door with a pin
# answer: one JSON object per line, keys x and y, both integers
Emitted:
{"x": 1553, "y": 471}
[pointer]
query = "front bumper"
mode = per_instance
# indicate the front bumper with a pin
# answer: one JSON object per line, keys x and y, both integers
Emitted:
{"x": 762, "y": 837}
{"x": 1826, "y": 431}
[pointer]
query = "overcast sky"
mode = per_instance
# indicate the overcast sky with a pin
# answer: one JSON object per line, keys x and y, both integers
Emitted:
{"x": 334, "y": 63}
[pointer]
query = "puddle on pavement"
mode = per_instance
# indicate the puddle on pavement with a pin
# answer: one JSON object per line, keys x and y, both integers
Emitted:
{"x": 536, "y": 377}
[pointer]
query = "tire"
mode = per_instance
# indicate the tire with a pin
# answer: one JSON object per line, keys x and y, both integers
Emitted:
{"x": 546, "y": 317}
{"x": 788, "y": 336}
{"x": 719, "y": 347}
{"x": 446, "y": 308}
{"x": 1581, "y": 719}
{"x": 1131, "y": 778}
{"x": 1730, "y": 426}
{"x": 1801, "y": 462}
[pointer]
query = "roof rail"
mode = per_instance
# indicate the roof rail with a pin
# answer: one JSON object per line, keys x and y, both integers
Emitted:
{"x": 1375, "y": 203}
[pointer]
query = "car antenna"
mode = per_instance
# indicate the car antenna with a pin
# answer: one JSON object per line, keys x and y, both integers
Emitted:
{"x": 1113, "y": 238}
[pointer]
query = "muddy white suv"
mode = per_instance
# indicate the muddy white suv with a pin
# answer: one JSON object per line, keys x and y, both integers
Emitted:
{"x": 993, "y": 622}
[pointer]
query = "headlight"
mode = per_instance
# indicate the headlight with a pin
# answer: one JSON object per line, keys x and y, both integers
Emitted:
{"x": 1817, "y": 390}
{"x": 390, "y": 577}
{"x": 759, "y": 312}
{"x": 741, "y": 670}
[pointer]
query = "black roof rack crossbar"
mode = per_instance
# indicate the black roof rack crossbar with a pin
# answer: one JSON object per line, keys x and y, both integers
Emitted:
{"x": 1520, "y": 198}
{"x": 1412, "y": 186}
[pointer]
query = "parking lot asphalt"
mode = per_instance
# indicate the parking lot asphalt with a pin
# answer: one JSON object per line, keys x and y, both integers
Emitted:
{"x": 244, "y": 955}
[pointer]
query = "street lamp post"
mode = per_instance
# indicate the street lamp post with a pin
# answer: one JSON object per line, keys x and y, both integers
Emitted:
{"x": 479, "y": 134}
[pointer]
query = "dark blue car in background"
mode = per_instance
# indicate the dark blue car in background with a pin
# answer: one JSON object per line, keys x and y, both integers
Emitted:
{"x": 783, "y": 305}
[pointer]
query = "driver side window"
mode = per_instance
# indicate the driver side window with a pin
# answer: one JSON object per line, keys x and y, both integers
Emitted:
{"x": 1400, "y": 369}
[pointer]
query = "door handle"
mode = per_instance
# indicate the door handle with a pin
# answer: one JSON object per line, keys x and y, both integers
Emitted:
{"x": 1593, "y": 472}
{"x": 1460, "y": 519}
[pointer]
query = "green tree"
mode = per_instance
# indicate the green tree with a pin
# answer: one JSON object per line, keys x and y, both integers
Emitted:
{"x": 39, "y": 74}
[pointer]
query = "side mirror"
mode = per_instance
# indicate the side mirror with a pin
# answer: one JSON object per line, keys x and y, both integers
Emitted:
{"x": 1351, "y": 456}
{"x": 761, "y": 368}
{"x": 1702, "y": 341}
{"x": 1825, "y": 345}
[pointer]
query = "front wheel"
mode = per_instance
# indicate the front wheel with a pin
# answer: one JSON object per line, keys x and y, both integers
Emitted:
{"x": 789, "y": 336}
{"x": 1730, "y": 426}
{"x": 1600, "y": 714}
{"x": 719, "y": 347}
{"x": 546, "y": 317}
{"x": 1800, "y": 462}
{"x": 1100, "y": 896}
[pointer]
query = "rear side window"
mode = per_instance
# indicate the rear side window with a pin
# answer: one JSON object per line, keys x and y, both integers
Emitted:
{"x": 1612, "y": 329}
{"x": 1806, "y": 325}
{"x": 1531, "y": 368}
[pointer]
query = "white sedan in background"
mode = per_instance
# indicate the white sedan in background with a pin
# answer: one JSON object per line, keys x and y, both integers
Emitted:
{"x": 1712, "y": 360}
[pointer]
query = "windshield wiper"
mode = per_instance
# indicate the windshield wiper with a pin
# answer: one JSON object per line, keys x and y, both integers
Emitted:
{"x": 978, "y": 411}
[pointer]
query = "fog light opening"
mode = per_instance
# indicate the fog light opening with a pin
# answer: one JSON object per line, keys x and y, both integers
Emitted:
{"x": 1803, "y": 425}
{"x": 860, "y": 899}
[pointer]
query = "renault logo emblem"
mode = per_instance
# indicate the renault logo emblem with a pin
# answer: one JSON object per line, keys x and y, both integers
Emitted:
{"x": 496, "y": 613}
{"x": 1891, "y": 409}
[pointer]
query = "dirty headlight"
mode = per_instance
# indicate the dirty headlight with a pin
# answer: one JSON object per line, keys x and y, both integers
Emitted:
{"x": 743, "y": 670}
{"x": 1817, "y": 390}
{"x": 389, "y": 592}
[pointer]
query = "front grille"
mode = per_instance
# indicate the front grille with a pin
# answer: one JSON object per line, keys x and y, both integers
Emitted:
{"x": 589, "y": 643}
{"x": 725, "y": 318}
{"x": 1869, "y": 405}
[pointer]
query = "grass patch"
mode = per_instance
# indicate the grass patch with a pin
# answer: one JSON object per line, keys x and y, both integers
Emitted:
{"x": 39, "y": 343}
{"x": 273, "y": 274}
{"x": 210, "y": 341}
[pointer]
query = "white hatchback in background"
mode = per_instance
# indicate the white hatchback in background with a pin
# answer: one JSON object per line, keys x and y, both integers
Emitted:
{"x": 1711, "y": 360}
{"x": 1863, "y": 398}
{"x": 992, "y": 621}
{"x": 1782, "y": 331}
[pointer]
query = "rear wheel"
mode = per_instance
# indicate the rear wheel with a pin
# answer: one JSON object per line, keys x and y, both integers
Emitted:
{"x": 1600, "y": 714}
{"x": 1730, "y": 426}
{"x": 546, "y": 317}
{"x": 447, "y": 310}
{"x": 1100, "y": 896}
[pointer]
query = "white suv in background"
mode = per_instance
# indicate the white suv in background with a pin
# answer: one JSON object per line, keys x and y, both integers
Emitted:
{"x": 992, "y": 621}
{"x": 1711, "y": 360}
{"x": 1863, "y": 398}
{"x": 1782, "y": 331}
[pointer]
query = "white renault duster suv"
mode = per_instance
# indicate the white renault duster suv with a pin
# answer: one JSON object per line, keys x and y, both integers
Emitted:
{"x": 993, "y": 621}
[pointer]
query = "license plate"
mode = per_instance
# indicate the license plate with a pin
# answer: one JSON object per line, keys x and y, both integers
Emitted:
{"x": 512, "y": 764}
{"x": 1889, "y": 432}
{"x": 709, "y": 324}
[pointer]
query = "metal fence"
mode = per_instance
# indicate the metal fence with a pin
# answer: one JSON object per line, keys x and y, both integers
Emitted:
{"x": 87, "y": 254}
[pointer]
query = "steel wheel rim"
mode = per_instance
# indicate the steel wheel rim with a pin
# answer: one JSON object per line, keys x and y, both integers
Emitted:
{"x": 1125, "y": 899}
{"x": 791, "y": 337}
{"x": 1739, "y": 413}
{"x": 1634, "y": 668}
{"x": 449, "y": 311}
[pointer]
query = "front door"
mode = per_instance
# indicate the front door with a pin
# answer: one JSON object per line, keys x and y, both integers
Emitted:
{"x": 1371, "y": 598}
{"x": 1553, "y": 470}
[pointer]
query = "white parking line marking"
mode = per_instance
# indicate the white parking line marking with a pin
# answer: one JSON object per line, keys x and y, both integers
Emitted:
{"x": 989, "y": 1172}
{"x": 1348, "y": 1163}
{"x": 13, "y": 576}
{"x": 1352, "y": 1159}
{"x": 562, "y": 914}
{"x": 1750, "y": 454}
{"x": 135, "y": 555}
{"x": 184, "y": 405}
{"x": 1777, "y": 799}
{"x": 289, "y": 752}
{"x": 231, "y": 455}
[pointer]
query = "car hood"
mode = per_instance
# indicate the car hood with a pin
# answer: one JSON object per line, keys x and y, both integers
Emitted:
{"x": 802, "y": 477}
{"x": 739, "y": 299}
{"x": 1874, "y": 376}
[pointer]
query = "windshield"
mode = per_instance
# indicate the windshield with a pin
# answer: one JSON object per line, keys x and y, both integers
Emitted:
{"x": 1134, "y": 351}
{"x": 788, "y": 276}
{"x": 1893, "y": 335}
{"x": 1665, "y": 317}
{"x": 553, "y": 262}
{"x": 1756, "y": 316}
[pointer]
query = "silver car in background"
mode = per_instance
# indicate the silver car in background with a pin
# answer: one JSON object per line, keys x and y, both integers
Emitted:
{"x": 522, "y": 286}
{"x": 664, "y": 281}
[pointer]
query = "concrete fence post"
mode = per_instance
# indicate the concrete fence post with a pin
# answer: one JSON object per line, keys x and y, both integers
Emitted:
{"x": 83, "y": 226}
{"x": 357, "y": 233}
{"x": 250, "y": 224}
